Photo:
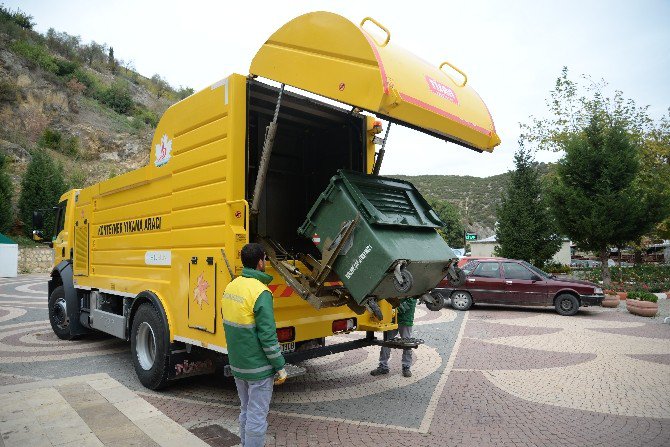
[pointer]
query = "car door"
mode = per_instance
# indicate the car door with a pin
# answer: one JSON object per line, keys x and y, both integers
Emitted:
{"x": 485, "y": 283}
{"x": 523, "y": 287}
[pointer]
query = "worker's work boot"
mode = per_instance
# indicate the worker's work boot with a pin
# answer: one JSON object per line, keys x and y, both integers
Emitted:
{"x": 406, "y": 372}
{"x": 379, "y": 371}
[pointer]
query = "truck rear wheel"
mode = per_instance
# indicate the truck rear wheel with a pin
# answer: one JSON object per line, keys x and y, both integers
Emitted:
{"x": 149, "y": 348}
{"x": 60, "y": 322}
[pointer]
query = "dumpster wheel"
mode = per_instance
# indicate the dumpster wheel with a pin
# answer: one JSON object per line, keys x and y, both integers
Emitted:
{"x": 407, "y": 281}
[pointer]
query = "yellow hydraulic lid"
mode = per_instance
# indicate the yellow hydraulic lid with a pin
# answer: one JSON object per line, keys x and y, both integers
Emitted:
{"x": 326, "y": 54}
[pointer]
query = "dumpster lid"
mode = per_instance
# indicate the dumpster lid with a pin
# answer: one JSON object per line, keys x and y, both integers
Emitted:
{"x": 327, "y": 54}
{"x": 388, "y": 201}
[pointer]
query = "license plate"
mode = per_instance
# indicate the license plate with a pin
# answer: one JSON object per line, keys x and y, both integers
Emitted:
{"x": 287, "y": 347}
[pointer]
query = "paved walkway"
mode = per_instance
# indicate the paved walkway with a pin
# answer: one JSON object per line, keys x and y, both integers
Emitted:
{"x": 83, "y": 411}
{"x": 490, "y": 376}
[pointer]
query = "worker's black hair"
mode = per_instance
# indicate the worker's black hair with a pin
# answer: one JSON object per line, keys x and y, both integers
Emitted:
{"x": 251, "y": 254}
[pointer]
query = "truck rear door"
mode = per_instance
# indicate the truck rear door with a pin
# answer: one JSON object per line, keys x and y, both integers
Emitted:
{"x": 328, "y": 55}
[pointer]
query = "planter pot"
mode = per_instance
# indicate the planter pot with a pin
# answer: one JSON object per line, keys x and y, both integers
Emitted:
{"x": 611, "y": 301}
{"x": 642, "y": 308}
{"x": 622, "y": 295}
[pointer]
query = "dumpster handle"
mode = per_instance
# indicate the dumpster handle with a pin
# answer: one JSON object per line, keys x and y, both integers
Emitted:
{"x": 458, "y": 70}
{"x": 382, "y": 27}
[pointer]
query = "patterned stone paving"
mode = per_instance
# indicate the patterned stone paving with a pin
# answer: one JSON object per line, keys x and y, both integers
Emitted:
{"x": 490, "y": 376}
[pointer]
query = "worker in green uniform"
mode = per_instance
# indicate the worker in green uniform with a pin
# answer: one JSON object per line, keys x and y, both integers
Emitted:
{"x": 405, "y": 324}
{"x": 253, "y": 349}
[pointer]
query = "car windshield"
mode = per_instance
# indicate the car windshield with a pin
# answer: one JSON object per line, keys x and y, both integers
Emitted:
{"x": 536, "y": 270}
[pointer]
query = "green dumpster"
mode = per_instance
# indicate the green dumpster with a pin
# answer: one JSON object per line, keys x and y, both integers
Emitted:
{"x": 394, "y": 249}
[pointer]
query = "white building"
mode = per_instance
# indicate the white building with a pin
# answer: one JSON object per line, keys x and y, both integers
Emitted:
{"x": 484, "y": 248}
{"x": 9, "y": 257}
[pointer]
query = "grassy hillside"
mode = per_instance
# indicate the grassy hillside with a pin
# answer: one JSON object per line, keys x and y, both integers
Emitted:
{"x": 476, "y": 198}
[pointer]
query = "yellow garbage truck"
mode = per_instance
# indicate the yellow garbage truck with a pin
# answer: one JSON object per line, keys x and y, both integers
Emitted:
{"x": 145, "y": 256}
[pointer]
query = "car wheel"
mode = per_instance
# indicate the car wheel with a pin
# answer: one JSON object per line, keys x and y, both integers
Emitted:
{"x": 148, "y": 347}
{"x": 566, "y": 304}
{"x": 461, "y": 300}
{"x": 60, "y": 322}
{"x": 438, "y": 304}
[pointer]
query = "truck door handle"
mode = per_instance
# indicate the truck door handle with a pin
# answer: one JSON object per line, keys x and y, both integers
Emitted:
{"x": 508, "y": 282}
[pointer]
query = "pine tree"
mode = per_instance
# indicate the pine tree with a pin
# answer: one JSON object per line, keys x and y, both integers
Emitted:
{"x": 6, "y": 191}
{"x": 41, "y": 188}
{"x": 111, "y": 60}
{"x": 525, "y": 228}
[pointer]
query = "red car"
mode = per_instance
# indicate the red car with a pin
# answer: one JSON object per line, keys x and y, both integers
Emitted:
{"x": 517, "y": 283}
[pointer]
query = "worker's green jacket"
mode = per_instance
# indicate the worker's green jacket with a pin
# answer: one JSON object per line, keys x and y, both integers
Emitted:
{"x": 249, "y": 323}
{"x": 406, "y": 312}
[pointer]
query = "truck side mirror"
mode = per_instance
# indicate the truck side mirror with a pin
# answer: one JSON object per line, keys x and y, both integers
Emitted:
{"x": 38, "y": 227}
{"x": 38, "y": 221}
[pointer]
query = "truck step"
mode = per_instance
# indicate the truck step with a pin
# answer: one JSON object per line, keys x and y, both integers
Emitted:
{"x": 401, "y": 343}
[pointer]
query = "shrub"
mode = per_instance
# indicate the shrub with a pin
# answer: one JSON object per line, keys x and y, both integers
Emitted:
{"x": 52, "y": 139}
{"x": 652, "y": 278}
{"x": 641, "y": 295}
{"x": 146, "y": 116}
{"x": 8, "y": 91}
{"x": 17, "y": 17}
{"x": 64, "y": 67}
{"x": 36, "y": 54}
{"x": 117, "y": 97}
{"x": 90, "y": 81}
{"x": 554, "y": 267}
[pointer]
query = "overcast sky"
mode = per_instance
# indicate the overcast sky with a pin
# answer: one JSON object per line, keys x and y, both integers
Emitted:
{"x": 512, "y": 51}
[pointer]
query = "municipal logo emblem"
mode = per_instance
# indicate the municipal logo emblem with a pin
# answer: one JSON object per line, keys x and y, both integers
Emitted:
{"x": 163, "y": 151}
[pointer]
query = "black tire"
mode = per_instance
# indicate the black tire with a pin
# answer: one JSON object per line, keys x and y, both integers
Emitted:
{"x": 566, "y": 304}
{"x": 60, "y": 322}
{"x": 439, "y": 302}
{"x": 149, "y": 348}
{"x": 461, "y": 300}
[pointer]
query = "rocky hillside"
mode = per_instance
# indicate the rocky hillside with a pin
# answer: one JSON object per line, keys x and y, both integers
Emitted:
{"x": 88, "y": 109}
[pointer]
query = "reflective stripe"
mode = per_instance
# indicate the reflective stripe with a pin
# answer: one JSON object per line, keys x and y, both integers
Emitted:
{"x": 272, "y": 348}
{"x": 274, "y": 356}
{"x": 246, "y": 326}
{"x": 250, "y": 371}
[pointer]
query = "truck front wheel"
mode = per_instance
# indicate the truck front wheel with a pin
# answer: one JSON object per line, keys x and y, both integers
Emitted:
{"x": 60, "y": 322}
{"x": 149, "y": 348}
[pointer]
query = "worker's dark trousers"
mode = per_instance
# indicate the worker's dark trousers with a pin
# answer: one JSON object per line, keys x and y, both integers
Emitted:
{"x": 255, "y": 396}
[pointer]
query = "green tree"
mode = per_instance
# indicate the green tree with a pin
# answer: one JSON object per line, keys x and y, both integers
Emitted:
{"x": 41, "y": 188}
{"x": 453, "y": 231}
{"x": 597, "y": 197}
{"x": 161, "y": 86}
{"x": 93, "y": 52}
{"x": 111, "y": 61}
{"x": 525, "y": 229}
{"x": 598, "y": 129}
{"x": 655, "y": 167}
{"x": 6, "y": 191}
